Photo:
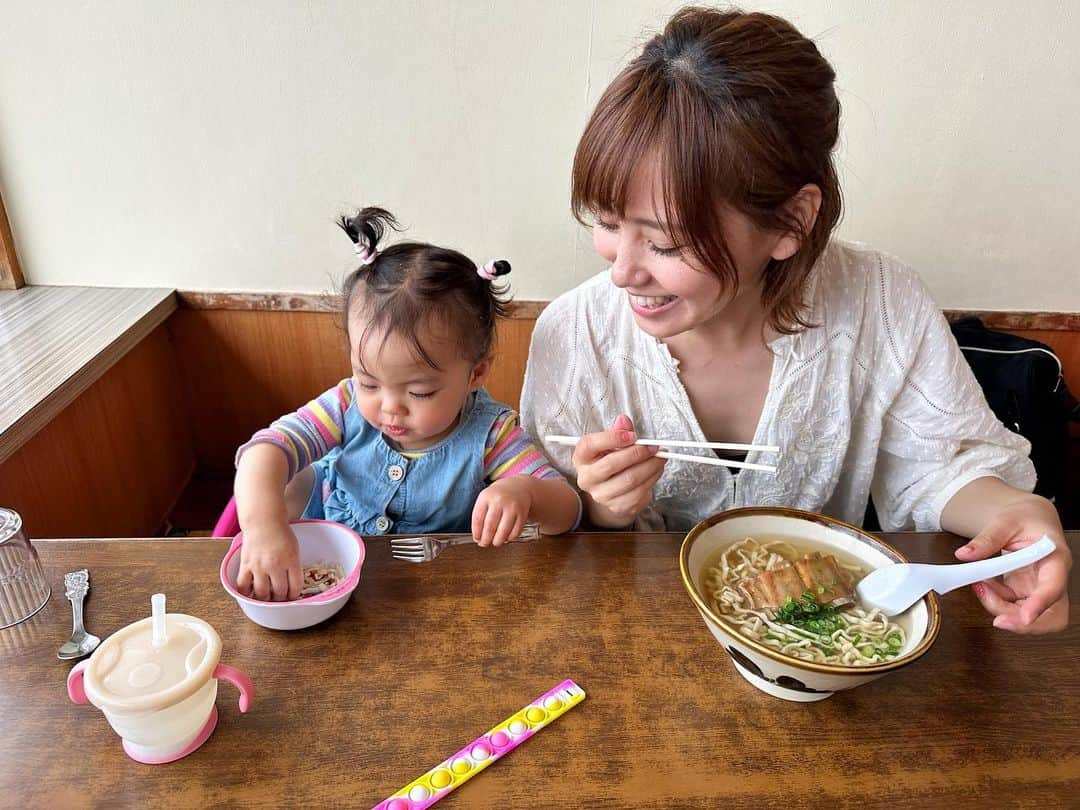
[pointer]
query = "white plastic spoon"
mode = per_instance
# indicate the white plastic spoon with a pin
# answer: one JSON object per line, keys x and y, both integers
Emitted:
{"x": 894, "y": 588}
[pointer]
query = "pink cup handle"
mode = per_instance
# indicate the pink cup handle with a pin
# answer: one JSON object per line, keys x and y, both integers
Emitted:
{"x": 234, "y": 676}
{"x": 76, "y": 691}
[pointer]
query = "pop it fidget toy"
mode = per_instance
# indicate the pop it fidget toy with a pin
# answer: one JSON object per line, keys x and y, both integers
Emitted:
{"x": 485, "y": 749}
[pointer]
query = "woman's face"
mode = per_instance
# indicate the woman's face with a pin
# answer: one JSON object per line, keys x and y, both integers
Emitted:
{"x": 668, "y": 290}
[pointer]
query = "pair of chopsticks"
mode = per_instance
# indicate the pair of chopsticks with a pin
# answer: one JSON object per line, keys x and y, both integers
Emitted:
{"x": 570, "y": 441}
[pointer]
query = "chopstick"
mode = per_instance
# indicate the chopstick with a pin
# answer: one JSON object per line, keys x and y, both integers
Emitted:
{"x": 715, "y": 462}
{"x": 763, "y": 448}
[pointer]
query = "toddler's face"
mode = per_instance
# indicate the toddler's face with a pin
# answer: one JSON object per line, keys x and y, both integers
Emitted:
{"x": 401, "y": 395}
{"x": 668, "y": 290}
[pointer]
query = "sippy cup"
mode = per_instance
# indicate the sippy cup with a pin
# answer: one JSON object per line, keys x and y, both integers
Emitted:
{"x": 156, "y": 681}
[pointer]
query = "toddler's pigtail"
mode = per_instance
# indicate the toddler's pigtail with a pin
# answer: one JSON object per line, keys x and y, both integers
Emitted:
{"x": 497, "y": 300}
{"x": 366, "y": 229}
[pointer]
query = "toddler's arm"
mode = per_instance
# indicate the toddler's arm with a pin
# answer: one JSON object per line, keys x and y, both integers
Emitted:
{"x": 269, "y": 557}
{"x": 524, "y": 487}
{"x": 311, "y": 432}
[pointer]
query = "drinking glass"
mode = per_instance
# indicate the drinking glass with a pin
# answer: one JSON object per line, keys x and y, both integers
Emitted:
{"x": 23, "y": 587}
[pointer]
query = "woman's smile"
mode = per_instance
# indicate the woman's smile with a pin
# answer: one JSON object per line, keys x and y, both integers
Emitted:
{"x": 649, "y": 306}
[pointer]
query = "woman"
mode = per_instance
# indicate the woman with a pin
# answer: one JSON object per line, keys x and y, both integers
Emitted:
{"x": 706, "y": 173}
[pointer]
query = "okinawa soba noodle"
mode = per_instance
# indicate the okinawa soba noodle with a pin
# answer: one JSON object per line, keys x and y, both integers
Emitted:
{"x": 845, "y": 636}
{"x": 320, "y": 578}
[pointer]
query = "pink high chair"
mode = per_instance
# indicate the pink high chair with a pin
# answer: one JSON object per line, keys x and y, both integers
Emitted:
{"x": 228, "y": 525}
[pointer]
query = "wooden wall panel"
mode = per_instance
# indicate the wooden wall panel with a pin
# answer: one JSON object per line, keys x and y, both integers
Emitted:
{"x": 114, "y": 461}
{"x": 243, "y": 368}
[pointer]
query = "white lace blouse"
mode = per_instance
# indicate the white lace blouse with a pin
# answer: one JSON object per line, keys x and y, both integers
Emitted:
{"x": 876, "y": 399}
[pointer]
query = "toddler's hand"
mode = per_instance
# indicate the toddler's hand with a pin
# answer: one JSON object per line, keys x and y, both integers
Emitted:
{"x": 616, "y": 475}
{"x": 501, "y": 511}
{"x": 270, "y": 563}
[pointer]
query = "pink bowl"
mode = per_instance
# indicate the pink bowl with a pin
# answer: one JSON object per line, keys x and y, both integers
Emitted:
{"x": 320, "y": 541}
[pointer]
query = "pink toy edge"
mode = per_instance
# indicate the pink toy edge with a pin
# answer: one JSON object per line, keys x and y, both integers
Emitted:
{"x": 76, "y": 690}
{"x": 349, "y": 582}
{"x": 240, "y": 680}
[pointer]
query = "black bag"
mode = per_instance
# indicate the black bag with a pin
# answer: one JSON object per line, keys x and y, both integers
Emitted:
{"x": 1025, "y": 388}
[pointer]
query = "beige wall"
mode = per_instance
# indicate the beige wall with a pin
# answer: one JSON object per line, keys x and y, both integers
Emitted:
{"x": 209, "y": 145}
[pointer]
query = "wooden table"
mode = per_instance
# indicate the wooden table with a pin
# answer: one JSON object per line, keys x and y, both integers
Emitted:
{"x": 424, "y": 658}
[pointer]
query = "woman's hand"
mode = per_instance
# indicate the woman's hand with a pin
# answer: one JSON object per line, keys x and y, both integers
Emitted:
{"x": 616, "y": 475}
{"x": 270, "y": 562}
{"x": 1035, "y": 598}
{"x": 501, "y": 510}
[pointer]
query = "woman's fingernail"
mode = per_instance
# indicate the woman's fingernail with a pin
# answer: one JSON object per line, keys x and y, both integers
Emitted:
{"x": 980, "y": 589}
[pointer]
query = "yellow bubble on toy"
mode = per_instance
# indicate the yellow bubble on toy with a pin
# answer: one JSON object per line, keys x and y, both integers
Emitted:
{"x": 441, "y": 779}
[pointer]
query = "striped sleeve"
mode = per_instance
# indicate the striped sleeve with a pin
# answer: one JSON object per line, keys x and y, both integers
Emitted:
{"x": 509, "y": 451}
{"x": 311, "y": 432}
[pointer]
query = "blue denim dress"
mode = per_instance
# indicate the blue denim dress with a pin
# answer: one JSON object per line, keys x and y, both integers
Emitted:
{"x": 369, "y": 486}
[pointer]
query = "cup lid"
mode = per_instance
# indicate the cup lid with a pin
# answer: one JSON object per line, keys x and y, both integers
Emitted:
{"x": 128, "y": 673}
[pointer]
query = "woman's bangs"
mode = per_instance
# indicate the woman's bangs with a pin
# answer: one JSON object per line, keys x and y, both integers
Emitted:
{"x": 621, "y": 133}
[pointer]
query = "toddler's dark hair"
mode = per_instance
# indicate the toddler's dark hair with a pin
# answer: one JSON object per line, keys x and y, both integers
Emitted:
{"x": 407, "y": 285}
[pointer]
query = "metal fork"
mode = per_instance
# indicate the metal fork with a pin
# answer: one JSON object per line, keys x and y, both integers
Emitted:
{"x": 426, "y": 549}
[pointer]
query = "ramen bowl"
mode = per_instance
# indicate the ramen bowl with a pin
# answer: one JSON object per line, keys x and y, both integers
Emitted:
{"x": 321, "y": 541}
{"x": 765, "y": 666}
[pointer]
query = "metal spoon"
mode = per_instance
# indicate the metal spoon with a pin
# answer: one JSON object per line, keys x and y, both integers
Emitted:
{"x": 894, "y": 588}
{"x": 76, "y": 585}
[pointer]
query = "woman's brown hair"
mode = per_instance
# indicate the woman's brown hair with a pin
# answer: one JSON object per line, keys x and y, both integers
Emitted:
{"x": 739, "y": 109}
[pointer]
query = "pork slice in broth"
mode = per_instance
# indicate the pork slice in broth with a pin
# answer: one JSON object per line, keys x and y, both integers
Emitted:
{"x": 820, "y": 574}
{"x": 825, "y": 578}
{"x": 770, "y": 589}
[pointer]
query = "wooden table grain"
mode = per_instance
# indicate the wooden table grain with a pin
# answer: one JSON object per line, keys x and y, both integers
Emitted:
{"x": 424, "y": 658}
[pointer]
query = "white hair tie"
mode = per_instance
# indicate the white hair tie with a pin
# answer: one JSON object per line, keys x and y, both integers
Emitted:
{"x": 492, "y": 269}
{"x": 365, "y": 255}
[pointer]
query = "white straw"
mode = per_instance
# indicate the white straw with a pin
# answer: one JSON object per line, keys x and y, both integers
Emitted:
{"x": 157, "y": 605}
{"x": 761, "y": 448}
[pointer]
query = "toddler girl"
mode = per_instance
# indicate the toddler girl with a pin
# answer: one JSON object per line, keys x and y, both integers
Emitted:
{"x": 410, "y": 443}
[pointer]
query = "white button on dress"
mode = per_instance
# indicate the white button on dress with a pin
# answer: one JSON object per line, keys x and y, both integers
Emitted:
{"x": 382, "y": 523}
{"x": 396, "y": 472}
